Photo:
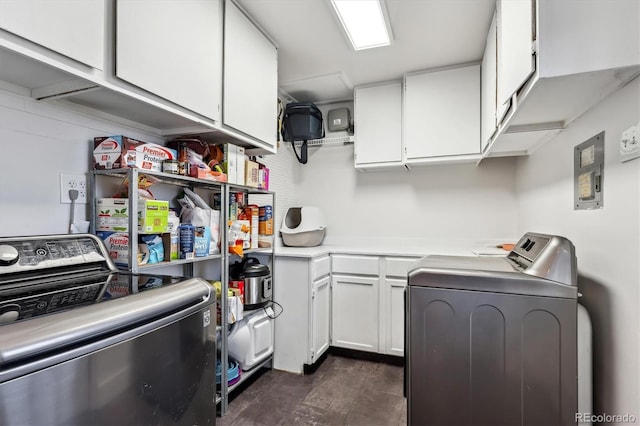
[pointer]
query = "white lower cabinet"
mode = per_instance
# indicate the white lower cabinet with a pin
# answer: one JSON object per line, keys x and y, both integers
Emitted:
{"x": 343, "y": 300}
{"x": 394, "y": 307}
{"x": 303, "y": 288}
{"x": 354, "y": 312}
{"x": 320, "y": 317}
{"x": 393, "y": 304}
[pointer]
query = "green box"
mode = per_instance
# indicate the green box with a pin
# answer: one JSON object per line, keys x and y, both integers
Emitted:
{"x": 153, "y": 216}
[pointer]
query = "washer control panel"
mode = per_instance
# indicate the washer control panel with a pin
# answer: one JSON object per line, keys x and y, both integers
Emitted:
{"x": 20, "y": 255}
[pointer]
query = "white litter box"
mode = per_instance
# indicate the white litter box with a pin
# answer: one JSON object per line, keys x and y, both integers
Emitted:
{"x": 303, "y": 227}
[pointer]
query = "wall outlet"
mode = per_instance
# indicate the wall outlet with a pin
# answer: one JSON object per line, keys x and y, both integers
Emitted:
{"x": 77, "y": 182}
{"x": 630, "y": 143}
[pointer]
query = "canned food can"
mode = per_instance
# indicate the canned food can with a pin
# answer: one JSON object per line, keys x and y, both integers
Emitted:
{"x": 184, "y": 168}
{"x": 170, "y": 166}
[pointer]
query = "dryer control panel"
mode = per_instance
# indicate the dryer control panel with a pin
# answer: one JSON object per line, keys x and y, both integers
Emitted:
{"x": 546, "y": 256}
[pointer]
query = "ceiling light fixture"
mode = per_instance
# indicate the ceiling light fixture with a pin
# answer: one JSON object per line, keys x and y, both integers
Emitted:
{"x": 364, "y": 22}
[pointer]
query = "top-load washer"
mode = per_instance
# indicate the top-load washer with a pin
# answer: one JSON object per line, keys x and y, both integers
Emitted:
{"x": 494, "y": 340}
{"x": 83, "y": 343}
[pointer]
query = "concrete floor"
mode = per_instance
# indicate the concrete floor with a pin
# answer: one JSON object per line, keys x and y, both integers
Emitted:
{"x": 342, "y": 391}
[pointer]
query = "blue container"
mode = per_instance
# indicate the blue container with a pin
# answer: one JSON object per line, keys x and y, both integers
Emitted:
{"x": 187, "y": 239}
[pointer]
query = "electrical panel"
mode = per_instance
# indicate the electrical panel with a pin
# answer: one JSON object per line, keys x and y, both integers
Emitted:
{"x": 588, "y": 171}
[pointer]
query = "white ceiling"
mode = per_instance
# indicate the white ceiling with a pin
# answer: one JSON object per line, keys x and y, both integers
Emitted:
{"x": 317, "y": 63}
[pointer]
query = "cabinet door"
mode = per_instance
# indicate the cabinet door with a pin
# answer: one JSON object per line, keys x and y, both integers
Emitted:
{"x": 172, "y": 49}
{"x": 250, "y": 78}
{"x": 489, "y": 86}
{"x": 394, "y": 315}
{"x": 320, "y": 317}
{"x": 515, "y": 32}
{"x": 70, "y": 27}
{"x": 354, "y": 312}
{"x": 378, "y": 133}
{"x": 442, "y": 113}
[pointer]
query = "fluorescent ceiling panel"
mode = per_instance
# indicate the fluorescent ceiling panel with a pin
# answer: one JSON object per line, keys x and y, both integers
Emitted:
{"x": 364, "y": 22}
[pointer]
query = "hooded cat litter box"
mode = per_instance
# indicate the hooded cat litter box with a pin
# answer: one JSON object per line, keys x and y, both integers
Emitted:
{"x": 303, "y": 227}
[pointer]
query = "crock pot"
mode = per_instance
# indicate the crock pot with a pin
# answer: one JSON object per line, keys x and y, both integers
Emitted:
{"x": 257, "y": 281}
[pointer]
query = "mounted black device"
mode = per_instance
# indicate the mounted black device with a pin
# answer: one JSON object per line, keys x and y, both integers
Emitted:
{"x": 302, "y": 121}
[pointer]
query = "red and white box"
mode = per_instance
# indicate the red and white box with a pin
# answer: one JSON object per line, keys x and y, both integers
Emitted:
{"x": 116, "y": 152}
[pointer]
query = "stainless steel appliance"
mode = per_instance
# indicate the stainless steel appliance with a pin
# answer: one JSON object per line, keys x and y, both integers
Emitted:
{"x": 493, "y": 340}
{"x": 81, "y": 343}
{"x": 257, "y": 282}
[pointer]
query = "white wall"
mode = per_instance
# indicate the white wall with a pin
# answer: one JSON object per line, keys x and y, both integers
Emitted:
{"x": 607, "y": 241}
{"x": 39, "y": 141}
{"x": 445, "y": 201}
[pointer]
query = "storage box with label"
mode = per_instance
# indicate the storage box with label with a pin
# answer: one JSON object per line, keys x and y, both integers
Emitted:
{"x": 229, "y": 162}
{"x": 251, "y": 212}
{"x": 251, "y": 175}
{"x": 235, "y": 310}
{"x": 240, "y": 160}
{"x": 265, "y": 226}
{"x": 153, "y": 216}
{"x": 112, "y": 214}
{"x": 114, "y": 152}
{"x": 263, "y": 177}
{"x": 117, "y": 244}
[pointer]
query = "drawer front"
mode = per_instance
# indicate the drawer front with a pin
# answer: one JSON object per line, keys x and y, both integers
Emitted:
{"x": 320, "y": 267}
{"x": 398, "y": 266}
{"x": 359, "y": 265}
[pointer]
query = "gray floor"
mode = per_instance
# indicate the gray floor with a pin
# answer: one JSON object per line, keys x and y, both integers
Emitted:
{"x": 342, "y": 391}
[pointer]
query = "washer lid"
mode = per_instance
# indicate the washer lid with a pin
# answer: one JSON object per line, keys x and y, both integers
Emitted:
{"x": 488, "y": 274}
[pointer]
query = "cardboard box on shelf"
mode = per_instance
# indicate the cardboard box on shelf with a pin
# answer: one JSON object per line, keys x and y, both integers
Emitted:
{"x": 263, "y": 177}
{"x": 235, "y": 310}
{"x": 117, "y": 245}
{"x": 237, "y": 287}
{"x": 230, "y": 162}
{"x": 251, "y": 213}
{"x": 115, "y": 152}
{"x": 251, "y": 174}
{"x": 246, "y": 236}
{"x": 153, "y": 216}
{"x": 240, "y": 158}
{"x": 265, "y": 226}
{"x": 112, "y": 214}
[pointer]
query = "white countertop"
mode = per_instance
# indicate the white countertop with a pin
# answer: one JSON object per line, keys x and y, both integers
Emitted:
{"x": 399, "y": 247}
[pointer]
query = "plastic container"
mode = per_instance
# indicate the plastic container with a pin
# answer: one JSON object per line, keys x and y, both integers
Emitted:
{"x": 233, "y": 372}
{"x": 251, "y": 340}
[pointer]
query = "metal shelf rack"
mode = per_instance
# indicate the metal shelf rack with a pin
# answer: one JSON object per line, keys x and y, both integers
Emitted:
{"x": 224, "y": 189}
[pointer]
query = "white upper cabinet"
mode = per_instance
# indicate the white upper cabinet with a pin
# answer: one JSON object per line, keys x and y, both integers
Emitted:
{"x": 250, "y": 78}
{"x": 442, "y": 115}
{"x": 556, "y": 60}
{"x": 378, "y": 130}
{"x": 172, "y": 49}
{"x": 515, "y": 32}
{"x": 70, "y": 27}
{"x": 488, "y": 75}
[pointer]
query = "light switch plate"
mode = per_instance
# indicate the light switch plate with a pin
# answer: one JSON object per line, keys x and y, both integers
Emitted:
{"x": 630, "y": 144}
